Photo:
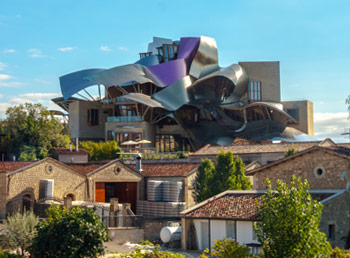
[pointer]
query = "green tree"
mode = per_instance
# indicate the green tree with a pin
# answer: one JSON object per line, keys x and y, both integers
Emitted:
{"x": 291, "y": 151}
{"x": 290, "y": 222}
{"x": 33, "y": 128}
{"x": 101, "y": 150}
{"x": 226, "y": 174}
{"x": 77, "y": 232}
{"x": 203, "y": 181}
{"x": 19, "y": 231}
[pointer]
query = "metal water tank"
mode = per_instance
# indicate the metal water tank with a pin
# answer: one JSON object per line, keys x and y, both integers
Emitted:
{"x": 168, "y": 234}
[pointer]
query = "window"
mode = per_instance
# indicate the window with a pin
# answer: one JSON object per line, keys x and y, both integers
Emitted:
{"x": 293, "y": 112}
{"x": 319, "y": 171}
{"x": 167, "y": 52}
{"x": 230, "y": 229}
{"x": 331, "y": 232}
{"x": 254, "y": 91}
{"x": 92, "y": 117}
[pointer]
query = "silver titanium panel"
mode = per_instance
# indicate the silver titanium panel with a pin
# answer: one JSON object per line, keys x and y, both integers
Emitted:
{"x": 206, "y": 59}
{"x": 175, "y": 95}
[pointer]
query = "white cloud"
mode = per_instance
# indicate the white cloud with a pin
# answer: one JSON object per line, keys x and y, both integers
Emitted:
{"x": 65, "y": 49}
{"x": 105, "y": 48}
{"x": 36, "y": 53}
{"x": 331, "y": 125}
{"x": 10, "y": 84}
{"x": 5, "y": 83}
{"x": 18, "y": 101}
{"x": 4, "y": 77}
{"x": 2, "y": 66}
{"x": 1, "y": 95}
{"x": 123, "y": 48}
{"x": 8, "y": 50}
{"x": 40, "y": 95}
{"x": 3, "y": 107}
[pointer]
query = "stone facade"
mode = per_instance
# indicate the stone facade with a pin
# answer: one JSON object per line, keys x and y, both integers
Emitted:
{"x": 114, "y": 171}
{"x": 306, "y": 166}
{"x": 336, "y": 214}
{"x": 25, "y": 183}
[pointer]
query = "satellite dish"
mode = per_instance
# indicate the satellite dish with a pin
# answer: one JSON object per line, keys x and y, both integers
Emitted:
{"x": 344, "y": 175}
{"x": 347, "y": 186}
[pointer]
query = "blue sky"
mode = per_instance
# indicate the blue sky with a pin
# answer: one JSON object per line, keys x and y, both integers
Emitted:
{"x": 44, "y": 39}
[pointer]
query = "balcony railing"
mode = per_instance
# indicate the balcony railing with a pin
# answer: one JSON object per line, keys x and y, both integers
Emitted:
{"x": 125, "y": 119}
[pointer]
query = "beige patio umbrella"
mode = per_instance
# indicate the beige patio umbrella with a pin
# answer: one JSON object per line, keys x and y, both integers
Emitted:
{"x": 143, "y": 141}
{"x": 129, "y": 143}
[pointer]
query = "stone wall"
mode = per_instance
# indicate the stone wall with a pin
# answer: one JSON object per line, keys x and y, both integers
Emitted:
{"x": 305, "y": 166}
{"x": 152, "y": 227}
{"x": 3, "y": 189}
{"x": 122, "y": 235}
{"x": 337, "y": 212}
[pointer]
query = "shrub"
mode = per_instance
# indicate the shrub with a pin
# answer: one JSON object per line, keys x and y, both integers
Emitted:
{"x": 228, "y": 248}
{"x": 77, "y": 232}
{"x": 19, "y": 231}
{"x": 154, "y": 253}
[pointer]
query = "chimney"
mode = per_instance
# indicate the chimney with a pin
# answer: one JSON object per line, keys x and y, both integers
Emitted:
{"x": 14, "y": 158}
{"x": 70, "y": 147}
{"x": 77, "y": 144}
{"x": 139, "y": 162}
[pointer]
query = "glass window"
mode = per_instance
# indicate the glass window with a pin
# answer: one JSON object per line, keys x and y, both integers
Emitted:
{"x": 254, "y": 91}
{"x": 230, "y": 229}
{"x": 92, "y": 117}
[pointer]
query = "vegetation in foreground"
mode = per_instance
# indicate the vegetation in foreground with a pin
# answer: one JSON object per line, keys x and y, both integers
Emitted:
{"x": 77, "y": 232}
{"x": 290, "y": 221}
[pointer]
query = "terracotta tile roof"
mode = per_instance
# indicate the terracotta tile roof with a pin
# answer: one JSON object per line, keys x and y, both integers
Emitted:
{"x": 166, "y": 169}
{"x": 254, "y": 148}
{"x": 10, "y": 166}
{"x": 240, "y": 206}
{"x": 66, "y": 151}
{"x": 339, "y": 150}
{"x": 86, "y": 168}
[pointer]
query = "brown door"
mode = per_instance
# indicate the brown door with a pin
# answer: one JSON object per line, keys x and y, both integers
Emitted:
{"x": 100, "y": 195}
{"x": 131, "y": 195}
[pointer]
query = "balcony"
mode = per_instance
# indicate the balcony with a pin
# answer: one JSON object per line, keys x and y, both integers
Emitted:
{"x": 124, "y": 119}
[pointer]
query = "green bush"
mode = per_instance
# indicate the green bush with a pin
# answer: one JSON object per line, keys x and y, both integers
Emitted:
{"x": 154, "y": 253}
{"x": 228, "y": 248}
{"x": 19, "y": 231}
{"x": 77, "y": 232}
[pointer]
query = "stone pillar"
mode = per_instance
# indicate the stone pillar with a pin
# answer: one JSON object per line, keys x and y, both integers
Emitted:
{"x": 183, "y": 234}
{"x": 127, "y": 220}
{"x": 113, "y": 212}
{"x": 67, "y": 202}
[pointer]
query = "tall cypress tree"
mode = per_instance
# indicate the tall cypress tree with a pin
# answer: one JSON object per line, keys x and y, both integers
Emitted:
{"x": 226, "y": 174}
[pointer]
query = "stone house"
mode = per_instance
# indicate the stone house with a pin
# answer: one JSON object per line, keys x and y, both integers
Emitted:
{"x": 326, "y": 168}
{"x": 23, "y": 184}
{"x": 262, "y": 152}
